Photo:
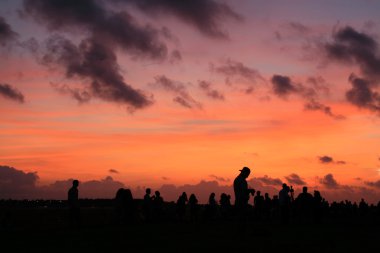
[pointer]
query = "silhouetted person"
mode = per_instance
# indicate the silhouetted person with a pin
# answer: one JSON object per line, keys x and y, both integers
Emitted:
{"x": 158, "y": 203}
{"x": 124, "y": 206}
{"x": 241, "y": 198}
{"x": 119, "y": 206}
{"x": 193, "y": 203}
{"x": 241, "y": 189}
{"x": 291, "y": 190}
{"x": 317, "y": 206}
{"x": 147, "y": 205}
{"x": 258, "y": 202}
{"x": 275, "y": 206}
{"x": 304, "y": 204}
{"x": 129, "y": 205}
{"x": 73, "y": 202}
{"x": 363, "y": 208}
{"x": 267, "y": 206}
{"x": 181, "y": 206}
{"x": 225, "y": 205}
{"x": 284, "y": 202}
{"x": 211, "y": 207}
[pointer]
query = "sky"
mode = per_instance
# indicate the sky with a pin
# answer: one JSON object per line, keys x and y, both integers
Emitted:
{"x": 180, "y": 95}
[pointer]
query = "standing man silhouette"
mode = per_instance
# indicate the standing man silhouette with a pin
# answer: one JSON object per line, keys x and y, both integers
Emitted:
{"x": 241, "y": 188}
{"x": 73, "y": 201}
{"x": 241, "y": 197}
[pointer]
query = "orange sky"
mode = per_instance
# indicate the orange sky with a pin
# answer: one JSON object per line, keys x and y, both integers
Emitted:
{"x": 54, "y": 135}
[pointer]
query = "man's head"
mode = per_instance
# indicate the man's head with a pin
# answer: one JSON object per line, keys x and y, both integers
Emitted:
{"x": 75, "y": 183}
{"x": 245, "y": 172}
{"x": 285, "y": 187}
{"x": 148, "y": 191}
{"x": 304, "y": 189}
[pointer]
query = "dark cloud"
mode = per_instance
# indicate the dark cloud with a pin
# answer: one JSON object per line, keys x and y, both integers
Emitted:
{"x": 113, "y": 171}
{"x": 183, "y": 102}
{"x": 165, "y": 178}
{"x": 329, "y": 182}
{"x": 325, "y": 159}
{"x": 183, "y": 97}
{"x": 94, "y": 59}
{"x": 269, "y": 181}
{"x": 106, "y": 29}
{"x": 362, "y": 94}
{"x": 205, "y": 15}
{"x": 220, "y": 179}
{"x": 283, "y": 86}
{"x": 80, "y": 95}
{"x": 352, "y": 46}
{"x": 6, "y": 33}
{"x": 329, "y": 160}
{"x": 97, "y": 65}
{"x": 319, "y": 84}
{"x": 11, "y": 93}
{"x": 235, "y": 69}
{"x": 116, "y": 28}
{"x": 375, "y": 184}
{"x": 313, "y": 105}
{"x": 210, "y": 92}
{"x": 295, "y": 179}
{"x": 17, "y": 184}
{"x": 361, "y": 49}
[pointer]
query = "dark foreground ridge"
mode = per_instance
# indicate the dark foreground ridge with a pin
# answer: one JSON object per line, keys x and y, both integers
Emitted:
{"x": 306, "y": 223}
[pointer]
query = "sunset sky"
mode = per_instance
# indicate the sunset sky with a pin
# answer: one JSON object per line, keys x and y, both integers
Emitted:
{"x": 162, "y": 92}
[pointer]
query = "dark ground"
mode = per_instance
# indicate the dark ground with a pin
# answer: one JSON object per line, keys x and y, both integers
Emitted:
{"x": 46, "y": 230}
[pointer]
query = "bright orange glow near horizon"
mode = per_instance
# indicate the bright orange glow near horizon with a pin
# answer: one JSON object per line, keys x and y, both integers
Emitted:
{"x": 189, "y": 132}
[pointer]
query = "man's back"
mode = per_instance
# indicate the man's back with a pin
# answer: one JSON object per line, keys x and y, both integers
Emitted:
{"x": 241, "y": 190}
{"x": 284, "y": 198}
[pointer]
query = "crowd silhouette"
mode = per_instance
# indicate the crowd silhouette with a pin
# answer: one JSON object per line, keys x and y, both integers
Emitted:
{"x": 250, "y": 205}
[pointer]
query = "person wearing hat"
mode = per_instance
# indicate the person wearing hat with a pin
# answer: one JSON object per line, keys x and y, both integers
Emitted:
{"x": 241, "y": 188}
